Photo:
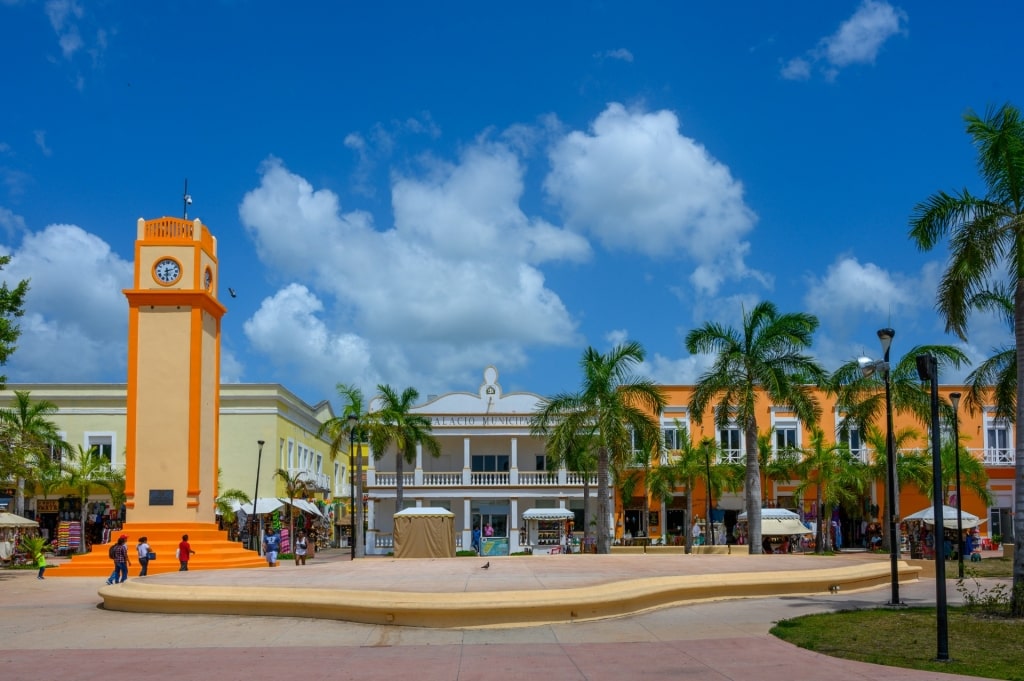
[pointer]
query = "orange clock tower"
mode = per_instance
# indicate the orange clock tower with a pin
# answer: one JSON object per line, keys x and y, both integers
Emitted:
{"x": 173, "y": 403}
{"x": 173, "y": 374}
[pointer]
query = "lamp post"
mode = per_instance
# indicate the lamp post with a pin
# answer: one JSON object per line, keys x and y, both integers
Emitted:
{"x": 955, "y": 399}
{"x": 868, "y": 367}
{"x": 255, "y": 496}
{"x": 707, "y": 466}
{"x": 353, "y": 421}
{"x": 928, "y": 370}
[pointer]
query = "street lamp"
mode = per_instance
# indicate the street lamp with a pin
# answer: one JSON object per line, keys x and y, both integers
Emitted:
{"x": 707, "y": 466}
{"x": 255, "y": 496}
{"x": 869, "y": 367}
{"x": 955, "y": 399}
{"x": 353, "y": 421}
{"x": 928, "y": 370}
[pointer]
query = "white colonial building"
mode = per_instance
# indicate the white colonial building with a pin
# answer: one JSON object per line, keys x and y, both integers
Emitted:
{"x": 491, "y": 470}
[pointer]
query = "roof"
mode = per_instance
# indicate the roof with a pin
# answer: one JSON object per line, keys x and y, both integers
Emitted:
{"x": 548, "y": 514}
{"x": 425, "y": 511}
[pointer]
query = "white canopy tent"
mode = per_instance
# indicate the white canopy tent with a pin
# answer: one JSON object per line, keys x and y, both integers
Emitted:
{"x": 778, "y": 522}
{"x": 927, "y": 516}
{"x": 13, "y": 520}
{"x": 263, "y": 505}
{"x": 548, "y": 514}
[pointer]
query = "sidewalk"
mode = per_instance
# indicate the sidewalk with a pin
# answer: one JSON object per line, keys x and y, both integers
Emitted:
{"x": 54, "y": 627}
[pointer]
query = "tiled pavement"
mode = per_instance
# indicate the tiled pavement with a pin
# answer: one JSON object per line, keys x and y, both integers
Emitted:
{"x": 54, "y": 628}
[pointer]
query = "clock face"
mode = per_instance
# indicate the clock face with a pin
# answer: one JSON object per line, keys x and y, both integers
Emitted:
{"x": 167, "y": 271}
{"x": 208, "y": 279}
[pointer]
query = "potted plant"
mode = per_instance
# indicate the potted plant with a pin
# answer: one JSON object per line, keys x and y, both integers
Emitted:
{"x": 997, "y": 539}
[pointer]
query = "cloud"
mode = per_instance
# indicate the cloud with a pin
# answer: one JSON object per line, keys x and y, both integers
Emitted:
{"x": 621, "y": 53}
{"x": 850, "y": 287}
{"x": 75, "y": 326}
{"x": 40, "y": 137}
{"x": 638, "y": 185}
{"x": 858, "y": 40}
{"x": 454, "y": 283}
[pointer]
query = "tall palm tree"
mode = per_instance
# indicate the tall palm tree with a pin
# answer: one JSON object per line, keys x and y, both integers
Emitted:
{"x": 296, "y": 486}
{"x": 30, "y": 435}
{"x": 687, "y": 464}
{"x": 611, "y": 406}
{"x": 395, "y": 424}
{"x": 574, "y": 450}
{"x": 838, "y": 477}
{"x": 343, "y": 433}
{"x": 995, "y": 379}
{"x": 986, "y": 243}
{"x": 766, "y": 354}
{"x": 84, "y": 470}
{"x": 912, "y": 468}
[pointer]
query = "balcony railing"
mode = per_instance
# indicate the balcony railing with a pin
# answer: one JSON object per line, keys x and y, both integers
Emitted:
{"x": 483, "y": 479}
{"x": 998, "y": 456}
{"x": 318, "y": 480}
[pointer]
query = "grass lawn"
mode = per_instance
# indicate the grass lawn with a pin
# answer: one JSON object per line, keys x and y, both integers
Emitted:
{"x": 980, "y": 643}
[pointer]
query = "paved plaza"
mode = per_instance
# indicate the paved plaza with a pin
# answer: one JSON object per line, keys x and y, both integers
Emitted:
{"x": 58, "y": 627}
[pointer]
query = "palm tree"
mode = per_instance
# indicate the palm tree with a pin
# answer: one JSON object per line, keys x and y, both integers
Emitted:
{"x": 838, "y": 477}
{"x": 687, "y": 466}
{"x": 986, "y": 243}
{"x": 764, "y": 355}
{"x": 775, "y": 466}
{"x": 30, "y": 436}
{"x": 911, "y": 467}
{"x": 342, "y": 433}
{"x": 84, "y": 470}
{"x": 611, "y": 406}
{"x": 995, "y": 379}
{"x": 295, "y": 487}
{"x": 574, "y": 450}
{"x": 394, "y": 424}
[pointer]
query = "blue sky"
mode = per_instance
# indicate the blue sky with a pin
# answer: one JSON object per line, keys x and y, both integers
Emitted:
{"x": 408, "y": 192}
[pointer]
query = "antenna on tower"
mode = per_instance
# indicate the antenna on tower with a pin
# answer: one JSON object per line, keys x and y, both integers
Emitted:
{"x": 186, "y": 199}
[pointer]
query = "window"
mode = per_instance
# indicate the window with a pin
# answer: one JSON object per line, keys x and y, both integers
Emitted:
{"x": 853, "y": 441}
{"x": 101, "y": 445}
{"x": 731, "y": 445}
{"x": 785, "y": 436}
{"x": 673, "y": 437}
{"x": 487, "y": 463}
{"x": 542, "y": 462}
{"x": 56, "y": 453}
{"x": 997, "y": 443}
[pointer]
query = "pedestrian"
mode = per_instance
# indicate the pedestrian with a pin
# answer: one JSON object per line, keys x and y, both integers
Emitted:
{"x": 143, "y": 550}
{"x": 119, "y": 553}
{"x": 301, "y": 544}
{"x": 40, "y": 563}
{"x": 476, "y": 539}
{"x": 271, "y": 545}
{"x": 488, "y": 530}
{"x": 184, "y": 552}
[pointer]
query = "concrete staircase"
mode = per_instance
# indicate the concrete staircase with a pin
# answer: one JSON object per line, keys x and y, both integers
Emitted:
{"x": 213, "y": 551}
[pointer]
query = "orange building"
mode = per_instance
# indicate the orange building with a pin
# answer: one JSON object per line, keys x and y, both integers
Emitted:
{"x": 982, "y": 435}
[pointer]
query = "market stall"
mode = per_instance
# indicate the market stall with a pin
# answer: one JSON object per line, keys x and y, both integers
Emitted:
{"x": 424, "y": 533}
{"x": 12, "y": 528}
{"x": 778, "y": 527}
{"x": 547, "y": 529}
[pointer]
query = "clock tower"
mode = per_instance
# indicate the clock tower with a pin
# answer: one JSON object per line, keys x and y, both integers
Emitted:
{"x": 174, "y": 321}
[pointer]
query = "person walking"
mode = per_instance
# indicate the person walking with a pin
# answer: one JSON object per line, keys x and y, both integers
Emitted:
{"x": 184, "y": 553}
{"x": 40, "y": 563}
{"x": 143, "y": 550}
{"x": 271, "y": 546}
{"x": 119, "y": 553}
{"x": 476, "y": 539}
{"x": 301, "y": 545}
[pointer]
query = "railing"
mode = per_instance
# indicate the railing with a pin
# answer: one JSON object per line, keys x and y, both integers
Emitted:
{"x": 387, "y": 541}
{"x": 999, "y": 456}
{"x": 440, "y": 479}
{"x": 319, "y": 480}
{"x": 732, "y": 456}
{"x": 489, "y": 479}
{"x": 484, "y": 479}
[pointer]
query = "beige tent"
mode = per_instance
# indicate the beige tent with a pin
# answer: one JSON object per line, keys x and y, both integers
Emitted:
{"x": 425, "y": 533}
{"x": 12, "y": 520}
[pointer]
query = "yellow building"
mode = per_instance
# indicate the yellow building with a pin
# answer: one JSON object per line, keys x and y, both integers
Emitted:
{"x": 94, "y": 415}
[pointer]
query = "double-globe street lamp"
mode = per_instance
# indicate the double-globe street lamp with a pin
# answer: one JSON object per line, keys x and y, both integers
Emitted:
{"x": 869, "y": 367}
{"x": 928, "y": 370}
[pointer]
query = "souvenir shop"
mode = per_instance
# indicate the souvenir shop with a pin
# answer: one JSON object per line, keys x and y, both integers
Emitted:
{"x": 60, "y": 519}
